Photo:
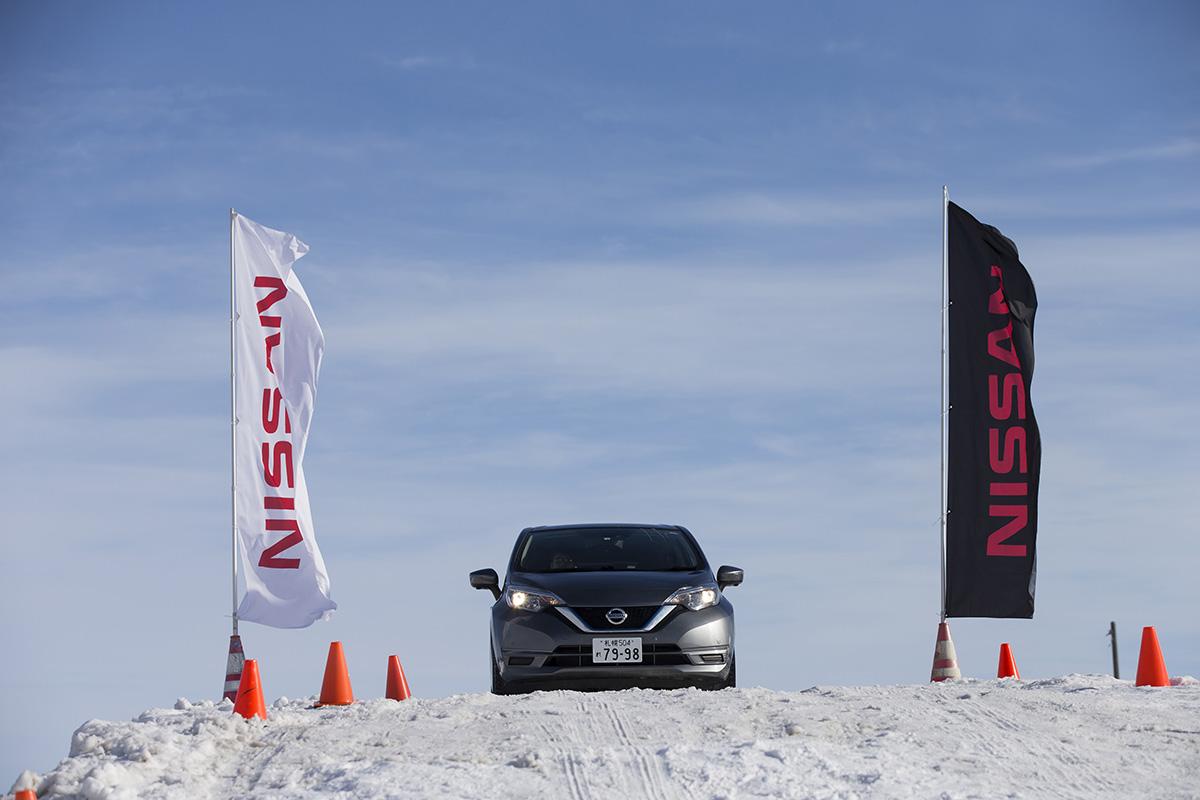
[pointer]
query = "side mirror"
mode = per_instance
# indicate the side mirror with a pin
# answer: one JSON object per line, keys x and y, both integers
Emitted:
{"x": 487, "y": 579}
{"x": 730, "y": 576}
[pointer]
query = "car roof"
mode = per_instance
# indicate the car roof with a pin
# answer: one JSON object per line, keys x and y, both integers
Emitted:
{"x": 602, "y": 525}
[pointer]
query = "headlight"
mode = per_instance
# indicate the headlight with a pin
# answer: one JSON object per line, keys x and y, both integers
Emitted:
{"x": 523, "y": 599}
{"x": 695, "y": 598}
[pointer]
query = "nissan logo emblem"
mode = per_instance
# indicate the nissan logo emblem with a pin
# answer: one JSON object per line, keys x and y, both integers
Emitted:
{"x": 616, "y": 616}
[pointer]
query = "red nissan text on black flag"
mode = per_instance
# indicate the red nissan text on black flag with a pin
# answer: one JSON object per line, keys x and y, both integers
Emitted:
{"x": 994, "y": 449}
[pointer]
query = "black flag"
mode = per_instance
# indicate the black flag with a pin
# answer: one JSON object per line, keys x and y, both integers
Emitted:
{"x": 995, "y": 451}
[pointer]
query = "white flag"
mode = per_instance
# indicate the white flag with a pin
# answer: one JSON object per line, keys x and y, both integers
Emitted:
{"x": 278, "y": 346}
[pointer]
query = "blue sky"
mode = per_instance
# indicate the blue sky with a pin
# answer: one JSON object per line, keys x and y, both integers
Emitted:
{"x": 676, "y": 263}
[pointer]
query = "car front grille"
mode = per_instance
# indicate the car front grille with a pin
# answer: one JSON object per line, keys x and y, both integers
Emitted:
{"x": 653, "y": 655}
{"x": 594, "y": 617}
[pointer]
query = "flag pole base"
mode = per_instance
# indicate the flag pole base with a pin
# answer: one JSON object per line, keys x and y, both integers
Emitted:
{"x": 233, "y": 667}
{"x": 945, "y": 660}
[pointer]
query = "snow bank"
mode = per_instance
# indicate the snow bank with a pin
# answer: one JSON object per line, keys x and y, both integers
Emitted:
{"x": 1079, "y": 736}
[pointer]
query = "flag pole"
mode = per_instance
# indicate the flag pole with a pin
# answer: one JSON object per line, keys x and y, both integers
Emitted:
{"x": 236, "y": 657}
{"x": 233, "y": 422}
{"x": 944, "y": 411}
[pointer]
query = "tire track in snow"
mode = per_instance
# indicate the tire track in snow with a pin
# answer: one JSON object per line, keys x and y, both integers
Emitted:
{"x": 999, "y": 724}
{"x": 648, "y": 787}
{"x": 646, "y": 763}
{"x": 578, "y": 786}
{"x": 258, "y": 756}
{"x": 624, "y": 768}
{"x": 262, "y": 763}
{"x": 576, "y": 782}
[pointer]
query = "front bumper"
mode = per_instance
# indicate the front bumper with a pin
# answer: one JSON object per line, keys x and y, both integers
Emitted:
{"x": 688, "y": 648}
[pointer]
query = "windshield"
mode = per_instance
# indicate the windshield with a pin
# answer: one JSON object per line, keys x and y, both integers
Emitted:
{"x": 593, "y": 549}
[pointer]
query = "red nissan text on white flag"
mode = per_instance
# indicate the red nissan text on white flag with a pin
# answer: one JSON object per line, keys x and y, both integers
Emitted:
{"x": 278, "y": 347}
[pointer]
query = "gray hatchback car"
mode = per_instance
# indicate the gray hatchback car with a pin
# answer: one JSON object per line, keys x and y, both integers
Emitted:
{"x": 610, "y": 606}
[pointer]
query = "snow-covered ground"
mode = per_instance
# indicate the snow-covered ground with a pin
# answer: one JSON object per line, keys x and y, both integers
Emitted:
{"x": 1080, "y": 736}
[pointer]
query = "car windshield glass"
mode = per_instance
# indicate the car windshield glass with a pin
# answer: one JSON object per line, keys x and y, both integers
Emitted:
{"x": 592, "y": 549}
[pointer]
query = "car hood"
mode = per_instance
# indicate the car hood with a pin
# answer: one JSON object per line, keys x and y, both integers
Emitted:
{"x": 611, "y": 588}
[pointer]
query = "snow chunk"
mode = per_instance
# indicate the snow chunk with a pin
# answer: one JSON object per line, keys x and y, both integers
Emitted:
{"x": 26, "y": 780}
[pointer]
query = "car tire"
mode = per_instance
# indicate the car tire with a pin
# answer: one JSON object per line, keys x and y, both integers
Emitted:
{"x": 498, "y": 684}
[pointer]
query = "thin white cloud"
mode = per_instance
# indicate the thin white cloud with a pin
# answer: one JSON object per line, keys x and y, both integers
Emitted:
{"x": 641, "y": 328}
{"x": 357, "y": 146}
{"x": 836, "y": 47}
{"x": 421, "y": 61}
{"x": 1166, "y": 151}
{"x": 1126, "y": 270}
{"x": 783, "y": 209}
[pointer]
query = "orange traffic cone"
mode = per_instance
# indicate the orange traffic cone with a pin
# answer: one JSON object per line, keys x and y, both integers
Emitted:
{"x": 1152, "y": 670}
{"x": 1008, "y": 664}
{"x": 25, "y": 794}
{"x": 335, "y": 689}
{"x": 250, "y": 702}
{"x": 945, "y": 660}
{"x": 397, "y": 684}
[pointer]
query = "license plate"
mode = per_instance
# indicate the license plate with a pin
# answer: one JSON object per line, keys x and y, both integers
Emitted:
{"x": 616, "y": 651}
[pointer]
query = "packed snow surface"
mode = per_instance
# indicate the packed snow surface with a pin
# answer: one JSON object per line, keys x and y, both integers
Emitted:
{"x": 1081, "y": 736}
